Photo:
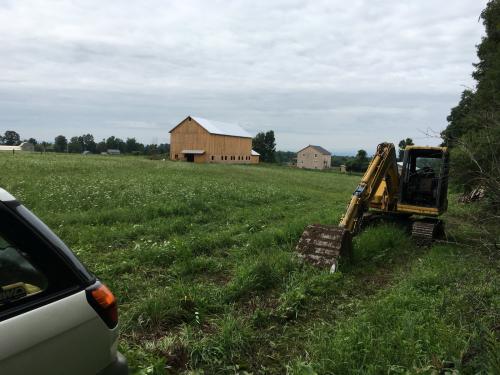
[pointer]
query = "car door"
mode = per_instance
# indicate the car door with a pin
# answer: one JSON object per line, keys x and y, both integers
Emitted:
{"x": 47, "y": 325}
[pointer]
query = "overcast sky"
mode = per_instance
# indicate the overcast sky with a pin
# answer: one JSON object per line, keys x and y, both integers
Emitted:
{"x": 341, "y": 74}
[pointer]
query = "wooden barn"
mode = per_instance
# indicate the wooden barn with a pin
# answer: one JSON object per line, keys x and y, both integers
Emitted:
{"x": 314, "y": 157}
{"x": 200, "y": 140}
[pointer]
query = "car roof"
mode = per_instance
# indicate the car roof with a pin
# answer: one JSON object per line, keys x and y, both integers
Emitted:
{"x": 5, "y": 196}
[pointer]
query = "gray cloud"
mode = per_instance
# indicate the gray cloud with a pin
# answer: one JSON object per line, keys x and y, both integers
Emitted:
{"x": 343, "y": 75}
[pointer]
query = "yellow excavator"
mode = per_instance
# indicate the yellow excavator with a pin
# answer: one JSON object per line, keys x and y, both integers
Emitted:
{"x": 413, "y": 192}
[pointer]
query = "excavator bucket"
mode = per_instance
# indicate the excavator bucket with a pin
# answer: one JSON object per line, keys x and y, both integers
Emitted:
{"x": 323, "y": 245}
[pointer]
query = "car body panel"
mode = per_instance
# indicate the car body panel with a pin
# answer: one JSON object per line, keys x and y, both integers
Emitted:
{"x": 63, "y": 337}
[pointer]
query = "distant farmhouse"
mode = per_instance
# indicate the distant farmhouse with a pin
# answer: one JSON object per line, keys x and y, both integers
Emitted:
{"x": 25, "y": 146}
{"x": 314, "y": 157}
{"x": 200, "y": 140}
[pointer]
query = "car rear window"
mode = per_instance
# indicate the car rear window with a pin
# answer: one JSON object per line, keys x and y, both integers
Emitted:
{"x": 34, "y": 269}
{"x": 19, "y": 278}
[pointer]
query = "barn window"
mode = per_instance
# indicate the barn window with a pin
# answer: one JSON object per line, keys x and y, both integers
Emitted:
{"x": 176, "y": 156}
{"x": 225, "y": 158}
{"x": 212, "y": 157}
{"x": 221, "y": 157}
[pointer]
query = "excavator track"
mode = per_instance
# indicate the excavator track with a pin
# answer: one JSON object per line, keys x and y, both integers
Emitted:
{"x": 323, "y": 245}
{"x": 424, "y": 232}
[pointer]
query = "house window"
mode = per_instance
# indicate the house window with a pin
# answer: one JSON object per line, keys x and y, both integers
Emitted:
{"x": 315, "y": 155}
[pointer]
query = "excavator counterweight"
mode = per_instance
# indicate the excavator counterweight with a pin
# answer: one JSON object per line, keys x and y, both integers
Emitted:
{"x": 419, "y": 189}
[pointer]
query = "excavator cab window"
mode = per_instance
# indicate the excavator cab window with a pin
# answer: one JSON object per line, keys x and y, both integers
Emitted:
{"x": 424, "y": 177}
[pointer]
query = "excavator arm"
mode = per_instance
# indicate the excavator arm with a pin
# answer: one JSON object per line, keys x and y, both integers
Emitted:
{"x": 322, "y": 245}
{"x": 381, "y": 175}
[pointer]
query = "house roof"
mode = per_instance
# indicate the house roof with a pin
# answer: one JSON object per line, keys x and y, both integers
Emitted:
{"x": 218, "y": 127}
{"x": 320, "y": 149}
{"x": 10, "y": 148}
{"x": 255, "y": 153}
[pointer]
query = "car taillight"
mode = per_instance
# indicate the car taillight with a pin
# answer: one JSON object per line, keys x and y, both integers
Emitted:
{"x": 104, "y": 303}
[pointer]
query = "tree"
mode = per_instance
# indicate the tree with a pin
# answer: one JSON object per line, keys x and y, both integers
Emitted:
{"x": 88, "y": 143}
{"x": 358, "y": 163}
{"x": 115, "y": 143}
{"x": 458, "y": 120}
{"x": 474, "y": 124}
{"x": 473, "y": 131}
{"x": 11, "y": 138}
{"x": 402, "y": 145}
{"x": 164, "y": 148}
{"x": 75, "y": 145}
{"x": 44, "y": 146}
{"x": 284, "y": 157}
{"x": 60, "y": 143}
{"x": 265, "y": 145}
{"x": 362, "y": 156}
{"x": 132, "y": 146}
{"x": 101, "y": 146}
{"x": 33, "y": 141}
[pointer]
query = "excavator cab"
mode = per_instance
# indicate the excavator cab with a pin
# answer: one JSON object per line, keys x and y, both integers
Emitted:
{"x": 423, "y": 182}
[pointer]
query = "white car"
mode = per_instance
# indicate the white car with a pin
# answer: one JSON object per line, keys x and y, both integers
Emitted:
{"x": 55, "y": 316}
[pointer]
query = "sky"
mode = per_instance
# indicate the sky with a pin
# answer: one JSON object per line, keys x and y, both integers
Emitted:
{"x": 345, "y": 75}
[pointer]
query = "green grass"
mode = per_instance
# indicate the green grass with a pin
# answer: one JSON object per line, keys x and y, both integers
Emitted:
{"x": 201, "y": 258}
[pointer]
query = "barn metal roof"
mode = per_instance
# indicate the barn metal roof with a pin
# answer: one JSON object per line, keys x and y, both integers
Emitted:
{"x": 219, "y": 127}
{"x": 222, "y": 128}
{"x": 255, "y": 153}
{"x": 320, "y": 149}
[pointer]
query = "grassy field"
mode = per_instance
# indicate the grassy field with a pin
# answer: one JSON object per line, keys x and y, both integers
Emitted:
{"x": 201, "y": 258}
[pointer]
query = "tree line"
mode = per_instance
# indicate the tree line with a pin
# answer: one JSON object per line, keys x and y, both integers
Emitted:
{"x": 86, "y": 142}
{"x": 264, "y": 143}
{"x": 473, "y": 130}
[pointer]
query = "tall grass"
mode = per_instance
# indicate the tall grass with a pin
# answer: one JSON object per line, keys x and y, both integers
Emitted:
{"x": 201, "y": 258}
